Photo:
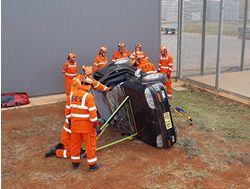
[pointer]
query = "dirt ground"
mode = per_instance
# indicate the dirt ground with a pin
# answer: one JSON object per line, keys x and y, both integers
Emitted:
{"x": 212, "y": 153}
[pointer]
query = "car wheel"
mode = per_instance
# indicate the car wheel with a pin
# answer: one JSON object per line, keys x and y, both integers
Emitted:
{"x": 152, "y": 78}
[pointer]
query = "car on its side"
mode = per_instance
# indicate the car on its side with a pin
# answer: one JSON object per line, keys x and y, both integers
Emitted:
{"x": 151, "y": 117}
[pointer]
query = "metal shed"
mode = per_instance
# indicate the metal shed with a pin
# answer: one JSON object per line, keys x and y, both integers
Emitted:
{"x": 38, "y": 35}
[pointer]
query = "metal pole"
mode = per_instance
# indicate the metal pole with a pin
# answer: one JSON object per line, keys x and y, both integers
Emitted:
{"x": 220, "y": 32}
{"x": 179, "y": 37}
{"x": 244, "y": 36}
{"x": 203, "y": 37}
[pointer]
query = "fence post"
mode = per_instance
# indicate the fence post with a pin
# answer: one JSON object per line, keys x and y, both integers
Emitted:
{"x": 203, "y": 36}
{"x": 244, "y": 37}
{"x": 179, "y": 38}
{"x": 220, "y": 32}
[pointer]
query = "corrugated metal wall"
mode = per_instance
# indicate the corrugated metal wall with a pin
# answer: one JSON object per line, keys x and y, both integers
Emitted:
{"x": 37, "y": 36}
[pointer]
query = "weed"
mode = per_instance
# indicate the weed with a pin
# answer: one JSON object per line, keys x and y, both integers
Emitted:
{"x": 156, "y": 171}
{"x": 189, "y": 146}
{"x": 192, "y": 173}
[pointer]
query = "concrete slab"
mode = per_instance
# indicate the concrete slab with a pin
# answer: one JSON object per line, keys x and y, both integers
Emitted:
{"x": 237, "y": 83}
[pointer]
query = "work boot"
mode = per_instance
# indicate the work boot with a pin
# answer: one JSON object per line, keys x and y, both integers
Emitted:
{"x": 93, "y": 168}
{"x": 51, "y": 153}
{"x": 59, "y": 146}
{"x": 75, "y": 165}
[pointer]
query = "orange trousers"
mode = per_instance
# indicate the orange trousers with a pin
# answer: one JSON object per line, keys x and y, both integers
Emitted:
{"x": 168, "y": 84}
{"x": 90, "y": 144}
{"x": 68, "y": 83}
{"x": 66, "y": 140}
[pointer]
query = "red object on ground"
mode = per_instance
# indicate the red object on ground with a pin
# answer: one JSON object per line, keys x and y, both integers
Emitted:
{"x": 14, "y": 99}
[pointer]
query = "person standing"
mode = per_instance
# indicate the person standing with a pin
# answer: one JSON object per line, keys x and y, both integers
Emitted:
{"x": 83, "y": 119}
{"x": 121, "y": 53}
{"x": 101, "y": 60}
{"x": 69, "y": 70}
{"x": 143, "y": 64}
{"x": 165, "y": 66}
{"x": 138, "y": 52}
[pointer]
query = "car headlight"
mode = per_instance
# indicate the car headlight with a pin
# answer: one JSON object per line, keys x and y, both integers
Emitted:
{"x": 149, "y": 98}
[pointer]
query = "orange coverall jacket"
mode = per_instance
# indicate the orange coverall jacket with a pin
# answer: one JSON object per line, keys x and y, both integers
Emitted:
{"x": 165, "y": 66}
{"x": 100, "y": 62}
{"x": 147, "y": 67}
{"x": 142, "y": 53}
{"x": 83, "y": 116}
{"x": 118, "y": 55}
{"x": 70, "y": 71}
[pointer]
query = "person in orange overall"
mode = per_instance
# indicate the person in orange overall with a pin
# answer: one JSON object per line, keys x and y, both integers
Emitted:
{"x": 101, "y": 60}
{"x": 121, "y": 53}
{"x": 165, "y": 66}
{"x": 87, "y": 73}
{"x": 62, "y": 150}
{"x": 138, "y": 51}
{"x": 83, "y": 119}
{"x": 143, "y": 64}
{"x": 69, "y": 70}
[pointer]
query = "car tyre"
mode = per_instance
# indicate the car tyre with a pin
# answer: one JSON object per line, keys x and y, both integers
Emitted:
{"x": 153, "y": 78}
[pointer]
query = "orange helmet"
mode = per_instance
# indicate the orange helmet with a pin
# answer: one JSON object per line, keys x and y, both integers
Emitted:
{"x": 138, "y": 45}
{"x": 103, "y": 50}
{"x": 163, "y": 49}
{"x": 86, "y": 84}
{"x": 121, "y": 45}
{"x": 71, "y": 55}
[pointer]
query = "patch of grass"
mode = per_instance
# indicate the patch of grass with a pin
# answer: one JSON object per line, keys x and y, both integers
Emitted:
{"x": 193, "y": 173}
{"x": 189, "y": 146}
{"x": 213, "y": 114}
{"x": 156, "y": 171}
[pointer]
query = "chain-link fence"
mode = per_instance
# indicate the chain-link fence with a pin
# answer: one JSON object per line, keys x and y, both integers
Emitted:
{"x": 193, "y": 22}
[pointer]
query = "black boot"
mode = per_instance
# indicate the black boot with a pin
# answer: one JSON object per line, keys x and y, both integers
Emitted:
{"x": 93, "y": 168}
{"x": 59, "y": 146}
{"x": 52, "y": 151}
{"x": 75, "y": 165}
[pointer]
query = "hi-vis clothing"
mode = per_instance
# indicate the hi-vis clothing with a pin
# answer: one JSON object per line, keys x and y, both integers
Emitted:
{"x": 83, "y": 115}
{"x": 80, "y": 78}
{"x": 100, "y": 62}
{"x": 147, "y": 67}
{"x": 165, "y": 66}
{"x": 139, "y": 54}
{"x": 70, "y": 71}
{"x": 65, "y": 134}
{"x": 118, "y": 55}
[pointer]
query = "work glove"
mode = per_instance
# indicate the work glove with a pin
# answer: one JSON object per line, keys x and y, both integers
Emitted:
{"x": 98, "y": 130}
{"x": 96, "y": 124}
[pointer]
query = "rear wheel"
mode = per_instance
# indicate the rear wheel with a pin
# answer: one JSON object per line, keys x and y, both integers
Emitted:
{"x": 156, "y": 77}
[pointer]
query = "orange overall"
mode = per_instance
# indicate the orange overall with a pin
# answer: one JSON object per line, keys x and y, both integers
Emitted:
{"x": 145, "y": 66}
{"x": 83, "y": 117}
{"x": 165, "y": 66}
{"x": 118, "y": 55}
{"x": 142, "y": 54}
{"x": 70, "y": 71}
{"x": 65, "y": 134}
{"x": 100, "y": 62}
